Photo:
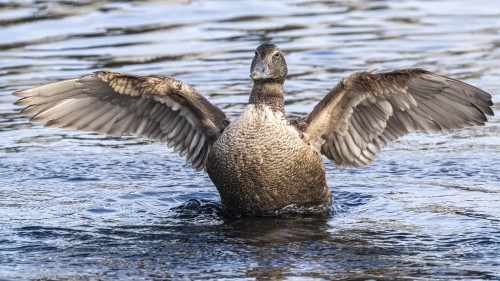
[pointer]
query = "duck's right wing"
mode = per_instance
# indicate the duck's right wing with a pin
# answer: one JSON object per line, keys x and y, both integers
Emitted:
{"x": 114, "y": 103}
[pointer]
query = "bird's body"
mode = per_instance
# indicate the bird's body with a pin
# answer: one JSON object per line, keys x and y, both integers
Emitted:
{"x": 261, "y": 162}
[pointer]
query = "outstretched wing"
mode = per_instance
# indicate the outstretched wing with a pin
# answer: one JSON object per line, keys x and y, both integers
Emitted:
{"x": 366, "y": 111}
{"x": 114, "y": 103}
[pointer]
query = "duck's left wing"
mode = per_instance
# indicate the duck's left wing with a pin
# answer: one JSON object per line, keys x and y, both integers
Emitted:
{"x": 367, "y": 110}
{"x": 115, "y": 103}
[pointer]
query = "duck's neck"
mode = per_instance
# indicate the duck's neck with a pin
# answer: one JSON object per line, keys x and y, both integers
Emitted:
{"x": 268, "y": 93}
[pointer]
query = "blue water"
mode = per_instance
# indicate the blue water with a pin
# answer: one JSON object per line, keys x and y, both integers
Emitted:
{"x": 80, "y": 206}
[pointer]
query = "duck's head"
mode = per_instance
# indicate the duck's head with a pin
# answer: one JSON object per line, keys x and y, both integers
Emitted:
{"x": 268, "y": 64}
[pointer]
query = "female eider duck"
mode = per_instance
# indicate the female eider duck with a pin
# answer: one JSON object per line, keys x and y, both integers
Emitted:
{"x": 261, "y": 162}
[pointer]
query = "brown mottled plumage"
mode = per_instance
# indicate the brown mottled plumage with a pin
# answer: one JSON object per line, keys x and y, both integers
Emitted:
{"x": 261, "y": 162}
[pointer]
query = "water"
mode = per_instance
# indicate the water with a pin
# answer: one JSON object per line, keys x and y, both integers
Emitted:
{"x": 82, "y": 206}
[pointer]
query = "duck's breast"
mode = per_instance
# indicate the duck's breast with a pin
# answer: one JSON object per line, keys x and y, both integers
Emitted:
{"x": 255, "y": 133}
{"x": 260, "y": 163}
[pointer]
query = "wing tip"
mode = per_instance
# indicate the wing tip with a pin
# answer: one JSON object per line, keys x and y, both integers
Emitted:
{"x": 21, "y": 102}
{"x": 22, "y": 93}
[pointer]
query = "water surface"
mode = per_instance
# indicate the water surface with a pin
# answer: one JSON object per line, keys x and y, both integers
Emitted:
{"x": 82, "y": 206}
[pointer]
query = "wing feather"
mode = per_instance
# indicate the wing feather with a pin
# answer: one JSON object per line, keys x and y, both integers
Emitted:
{"x": 114, "y": 103}
{"x": 366, "y": 111}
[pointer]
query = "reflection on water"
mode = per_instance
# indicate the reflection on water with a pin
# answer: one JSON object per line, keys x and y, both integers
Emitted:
{"x": 76, "y": 205}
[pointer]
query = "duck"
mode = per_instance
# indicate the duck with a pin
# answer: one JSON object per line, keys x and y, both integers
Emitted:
{"x": 262, "y": 161}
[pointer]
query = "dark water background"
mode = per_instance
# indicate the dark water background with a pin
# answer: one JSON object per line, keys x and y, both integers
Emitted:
{"x": 80, "y": 206}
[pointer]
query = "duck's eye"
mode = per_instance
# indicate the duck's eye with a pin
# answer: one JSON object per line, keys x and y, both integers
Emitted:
{"x": 277, "y": 54}
{"x": 256, "y": 53}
